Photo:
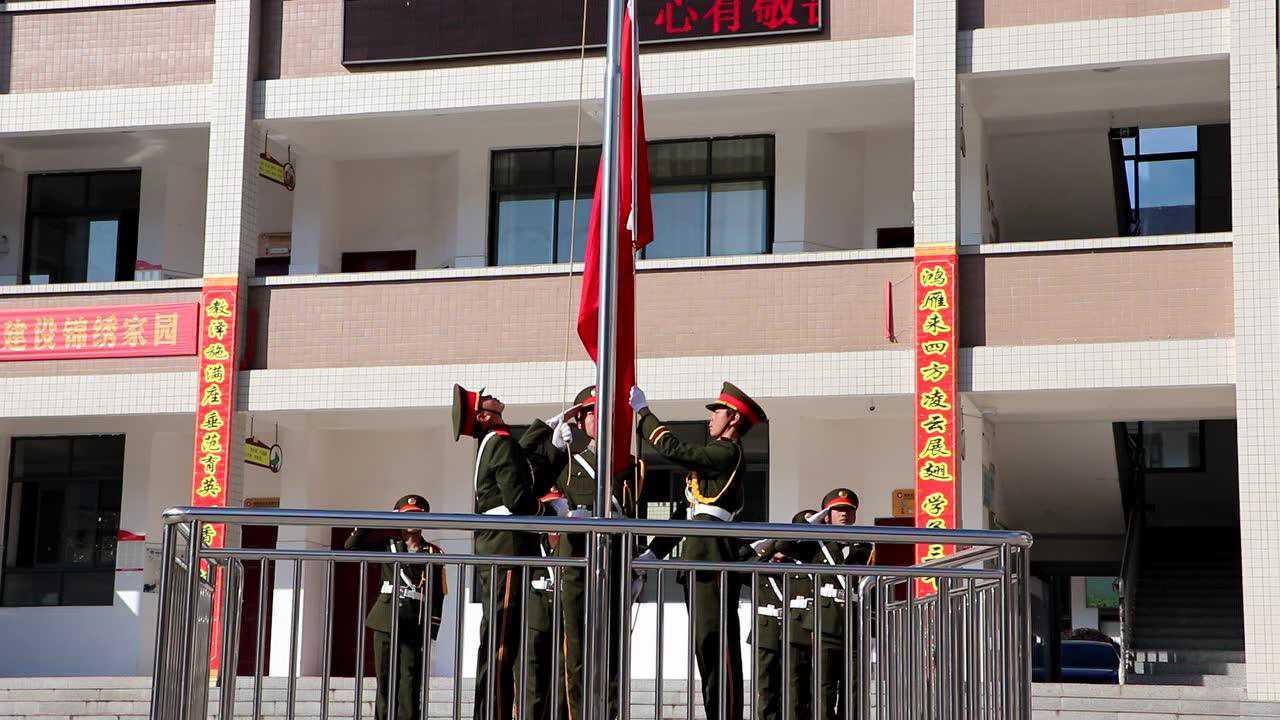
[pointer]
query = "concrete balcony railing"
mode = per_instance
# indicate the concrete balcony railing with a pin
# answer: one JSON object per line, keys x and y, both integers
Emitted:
{"x": 1024, "y": 294}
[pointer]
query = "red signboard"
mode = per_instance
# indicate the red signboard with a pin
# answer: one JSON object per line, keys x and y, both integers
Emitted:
{"x": 937, "y": 401}
{"x": 107, "y": 331}
{"x": 214, "y": 406}
{"x": 379, "y": 31}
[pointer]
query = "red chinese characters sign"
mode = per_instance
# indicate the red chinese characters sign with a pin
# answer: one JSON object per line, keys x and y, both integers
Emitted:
{"x": 109, "y": 331}
{"x": 214, "y": 406}
{"x": 937, "y": 455}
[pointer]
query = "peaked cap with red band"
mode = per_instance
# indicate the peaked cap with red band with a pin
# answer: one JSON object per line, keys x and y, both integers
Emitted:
{"x": 412, "y": 503}
{"x": 733, "y": 398}
{"x": 586, "y": 397}
{"x": 840, "y": 497}
{"x": 465, "y": 406}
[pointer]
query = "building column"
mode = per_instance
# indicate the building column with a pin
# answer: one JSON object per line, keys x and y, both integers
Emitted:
{"x": 977, "y": 461}
{"x": 230, "y": 209}
{"x": 1256, "y": 255}
{"x": 472, "y": 188}
{"x": 935, "y": 150}
{"x": 973, "y": 190}
{"x": 298, "y": 489}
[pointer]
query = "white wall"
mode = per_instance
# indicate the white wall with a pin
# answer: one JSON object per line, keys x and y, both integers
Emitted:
{"x": 12, "y": 200}
{"x": 888, "y": 182}
{"x": 1058, "y": 477}
{"x": 396, "y": 205}
{"x": 1053, "y": 185}
{"x": 834, "y": 192}
{"x": 114, "y": 639}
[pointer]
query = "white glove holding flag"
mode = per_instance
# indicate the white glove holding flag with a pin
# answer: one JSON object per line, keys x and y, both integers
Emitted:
{"x": 637, "y": 400}
{"x": 562, "y": 436}
{"x": 560, "y": 506}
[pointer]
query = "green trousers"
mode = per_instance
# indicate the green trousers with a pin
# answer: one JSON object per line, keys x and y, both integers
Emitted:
{"x": 408, "y": 674}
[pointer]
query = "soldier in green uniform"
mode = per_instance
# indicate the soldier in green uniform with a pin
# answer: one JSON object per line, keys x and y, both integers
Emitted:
{"x": 410, "y": 584}
{"x": 715, "y": 494}
{"x": 776, "y": 605}
{"x": 540, "y": 643}
{"x": 504, "y": 485}
{"x": 555, "y": 448}
{"x": 834, "y": 591}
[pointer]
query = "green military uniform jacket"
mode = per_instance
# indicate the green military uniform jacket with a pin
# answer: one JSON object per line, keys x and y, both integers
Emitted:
{"x": 833, "y": 591}
{"x": 411, "y": 578}
{"x": 504, "y": 485}
{"x": 574, "y": 475}
{"x": 713, "y": 487}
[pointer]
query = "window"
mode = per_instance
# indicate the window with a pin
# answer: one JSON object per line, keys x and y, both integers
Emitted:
{"x": 82, "y": 227}
{"x": 711, "y": 196}
{"x": 1171, "y": 445}
{"x": 62, "y": 517}
{"x": 1158, "y": 194}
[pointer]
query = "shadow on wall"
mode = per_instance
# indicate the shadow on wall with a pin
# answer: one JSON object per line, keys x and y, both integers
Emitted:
{"x": 6, "y": 52}
{"x": 971, "y": 14}
{"x": 270, "y": 32}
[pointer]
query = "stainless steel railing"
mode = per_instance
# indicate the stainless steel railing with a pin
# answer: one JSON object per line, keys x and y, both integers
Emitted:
{"x": 962, "y": 652}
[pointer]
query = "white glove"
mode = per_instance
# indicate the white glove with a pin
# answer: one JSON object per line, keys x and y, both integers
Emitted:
{"x": 560, "y": 506}
{"x": 580, "y": 513}
{"x": 647, "y": 555}
{"x": 637, "y": 400}
{"x": 562, "y": 436}
{"x": 554, "y": 421}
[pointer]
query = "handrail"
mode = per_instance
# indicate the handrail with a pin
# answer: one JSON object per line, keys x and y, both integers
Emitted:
{"x": 374, "y": 519}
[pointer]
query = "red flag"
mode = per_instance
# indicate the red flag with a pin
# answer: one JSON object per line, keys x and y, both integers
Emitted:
{"x": 635, "y": 213}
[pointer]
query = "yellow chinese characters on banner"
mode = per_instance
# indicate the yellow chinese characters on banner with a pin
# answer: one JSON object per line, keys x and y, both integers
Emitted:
{"x": 936, "y": 402}
{"x": 214, "y": 404}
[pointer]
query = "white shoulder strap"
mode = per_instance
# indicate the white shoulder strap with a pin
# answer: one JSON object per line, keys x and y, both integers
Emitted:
{"x": 591, "y": 472}
{"x": 475, "y": 476}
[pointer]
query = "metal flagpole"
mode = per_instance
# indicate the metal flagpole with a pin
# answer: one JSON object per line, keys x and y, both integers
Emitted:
{"x": 598, "y": 590}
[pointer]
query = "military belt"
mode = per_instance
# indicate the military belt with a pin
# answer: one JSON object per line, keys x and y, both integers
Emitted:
{"x": 770, "y": 611}
{"x": 543, "y": 584}
{"x": 830, "y": 591}
{"x": 388, "y": 588}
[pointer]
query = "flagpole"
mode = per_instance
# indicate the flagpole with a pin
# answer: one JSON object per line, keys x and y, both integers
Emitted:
{"x": 598, "y": 585}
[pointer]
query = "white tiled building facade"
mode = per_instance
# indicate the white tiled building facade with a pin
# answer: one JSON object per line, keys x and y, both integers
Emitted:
{"x": 981, "y": 123}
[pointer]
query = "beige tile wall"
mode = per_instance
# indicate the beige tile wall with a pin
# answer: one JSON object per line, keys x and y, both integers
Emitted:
{"x": 731, "y": 311}
{"x": 303, "y": 38}
{"x": 1034, "y": 299}
{"x": 1006, "y": 13}
{"x": 1109, "y": 296}
{"x": 96, "y": 367}
{"x": 106, "y": 48}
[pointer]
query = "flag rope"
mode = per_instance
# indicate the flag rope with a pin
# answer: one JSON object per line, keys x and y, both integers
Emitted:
{"x": 570, "y": 315}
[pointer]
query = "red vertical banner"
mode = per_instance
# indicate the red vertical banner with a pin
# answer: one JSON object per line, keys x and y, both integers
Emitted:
{"x": 215, "y": 402}
{"x": 937, "y": 400}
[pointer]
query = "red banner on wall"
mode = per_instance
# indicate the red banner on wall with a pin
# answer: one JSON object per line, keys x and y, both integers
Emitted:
{"x": 214, "y": 405}
{"x": 107, "y": 331}
{"x": 937, "y": 400}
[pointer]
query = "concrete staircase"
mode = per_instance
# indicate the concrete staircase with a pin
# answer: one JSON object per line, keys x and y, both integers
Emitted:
{"x": 128, "y": 698}
{"x": 1189, "y": 618}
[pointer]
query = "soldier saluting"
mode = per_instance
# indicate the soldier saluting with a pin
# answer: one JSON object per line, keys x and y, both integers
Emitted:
{"x": 410, "y": 584}
{"x": 833, "y": 592}
{"x": 554, "y": 448}
{"x": 504, "y": 485}
{"x": 714, "y": 493}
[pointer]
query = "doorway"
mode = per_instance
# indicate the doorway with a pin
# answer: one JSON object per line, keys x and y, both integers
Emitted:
{"x": 255, "y": 537}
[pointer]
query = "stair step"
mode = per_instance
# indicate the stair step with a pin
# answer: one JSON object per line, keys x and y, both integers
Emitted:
{"x": 1170, "y": 655}
{"x": 1189, "y": 643}
{"x": 1211, "y": 681}
{"x": 1191, "y": 668}
{"x": 1191, "y": 616}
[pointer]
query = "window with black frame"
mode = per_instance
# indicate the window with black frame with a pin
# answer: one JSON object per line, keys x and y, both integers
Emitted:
{"x": 62, "y": 518}
{"x": 711, "y": 196}
{"x": 1172, "y": 180}
{"x": 82, "y": 227}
